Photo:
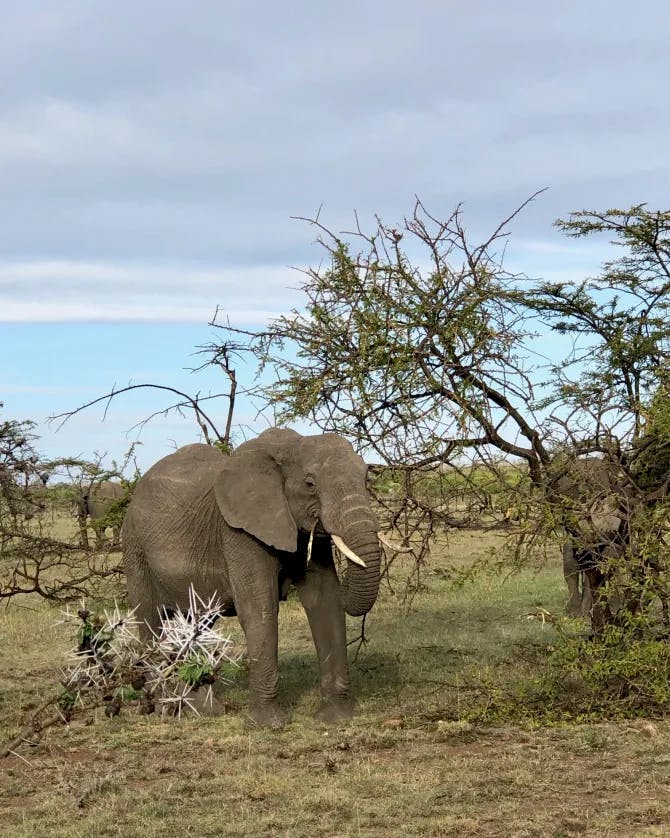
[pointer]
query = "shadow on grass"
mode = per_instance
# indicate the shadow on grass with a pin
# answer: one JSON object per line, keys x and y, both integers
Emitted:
{"x": 430, "y": 652}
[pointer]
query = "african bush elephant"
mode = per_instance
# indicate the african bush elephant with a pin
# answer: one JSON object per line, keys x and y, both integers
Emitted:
{"x": 100, "y": 505}
{"x": 249, "y": 525}
{"x": 595, "y": 512}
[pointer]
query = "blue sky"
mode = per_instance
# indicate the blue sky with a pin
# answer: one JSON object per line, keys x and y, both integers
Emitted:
{"x": 152, "y": 156}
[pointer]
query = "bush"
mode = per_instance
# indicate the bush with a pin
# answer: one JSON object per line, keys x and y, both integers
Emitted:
{"x": 608, "y": 678}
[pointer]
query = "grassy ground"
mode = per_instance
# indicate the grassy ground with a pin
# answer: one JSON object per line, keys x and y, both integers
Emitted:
{"x": 407, "y": 765}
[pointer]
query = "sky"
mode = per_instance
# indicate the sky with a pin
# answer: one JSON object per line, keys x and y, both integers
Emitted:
{"x": 154, "y": 156}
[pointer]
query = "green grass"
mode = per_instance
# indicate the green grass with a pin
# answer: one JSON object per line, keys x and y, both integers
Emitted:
{"x": 410, "y": 763}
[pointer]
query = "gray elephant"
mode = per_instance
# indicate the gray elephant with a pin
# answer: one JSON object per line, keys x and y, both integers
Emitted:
{"x": 100, "y": 505}
{"x": 580, "y": 599}
{"x": 249, "y": 525}
{"x": 595, "y": 510}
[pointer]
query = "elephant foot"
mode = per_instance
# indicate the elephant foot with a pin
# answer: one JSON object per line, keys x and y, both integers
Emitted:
{"x": 331, "y": 711}
{"x": 266, "y": 714}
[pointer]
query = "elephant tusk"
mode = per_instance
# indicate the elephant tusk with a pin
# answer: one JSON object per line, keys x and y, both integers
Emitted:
{"x": 342, "y": 547}
{"x": 397, "y": 548}
{"x": 310, "y": 545}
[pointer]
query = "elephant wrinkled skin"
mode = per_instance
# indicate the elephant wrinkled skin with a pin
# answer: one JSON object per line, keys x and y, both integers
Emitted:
{"x": 99, "y": 506}
{"x": 595, "y": 510}
{"x": 239, "y": 526}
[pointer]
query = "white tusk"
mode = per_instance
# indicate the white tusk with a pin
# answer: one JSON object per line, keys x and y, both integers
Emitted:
{"x": 342, "y": 547}
{"x": 397, "y": 548}
{"x": 309, "y": 546}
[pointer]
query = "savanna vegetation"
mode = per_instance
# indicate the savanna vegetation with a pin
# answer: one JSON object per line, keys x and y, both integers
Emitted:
{"x": 422, "y": 346}
{"x": 457, "y": 730}
{"x": 482, "y": 708}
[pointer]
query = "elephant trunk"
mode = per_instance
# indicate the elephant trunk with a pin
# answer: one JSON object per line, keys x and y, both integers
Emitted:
{"x": 361, "y": 585}
{"x": 357, "y": 528}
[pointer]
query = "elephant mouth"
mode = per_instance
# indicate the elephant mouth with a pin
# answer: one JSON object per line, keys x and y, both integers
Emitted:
{"x": 318, "y": 531}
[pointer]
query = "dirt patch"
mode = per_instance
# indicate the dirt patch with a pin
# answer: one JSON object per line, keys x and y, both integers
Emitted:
{"x": 596, "y": 780}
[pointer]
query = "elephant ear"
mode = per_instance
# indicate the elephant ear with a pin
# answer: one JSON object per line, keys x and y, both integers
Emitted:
{"x": 603, "y": 519}
{"x": 250, "y": 492}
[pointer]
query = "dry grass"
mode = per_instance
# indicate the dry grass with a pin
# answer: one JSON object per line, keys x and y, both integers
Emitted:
{"x": 405, "y": 766}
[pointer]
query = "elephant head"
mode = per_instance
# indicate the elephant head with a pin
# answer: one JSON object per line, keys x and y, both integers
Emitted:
{"x": 281, "y": 484}
{"x": 593, "y": 499}
{"x": 595, "y": 509}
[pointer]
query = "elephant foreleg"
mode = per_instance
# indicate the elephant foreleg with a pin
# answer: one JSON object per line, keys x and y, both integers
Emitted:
{"x": 319, "y": 592}
{"x": 580, "y": 598}
{"x": 255, "y": 589}
{"x": 572, "y": 573}
{"x": 116, "y": 535}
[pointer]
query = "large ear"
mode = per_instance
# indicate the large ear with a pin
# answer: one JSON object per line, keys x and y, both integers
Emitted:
{"x": 250, "y": 491}
{"x": 603, "y": 519}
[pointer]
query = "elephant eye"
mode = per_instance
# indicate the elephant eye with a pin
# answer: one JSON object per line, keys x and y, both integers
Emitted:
{"x": 310, "y": 482}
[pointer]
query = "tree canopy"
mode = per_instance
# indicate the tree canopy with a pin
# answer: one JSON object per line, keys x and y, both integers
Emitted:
{"x": 422, "y": 346}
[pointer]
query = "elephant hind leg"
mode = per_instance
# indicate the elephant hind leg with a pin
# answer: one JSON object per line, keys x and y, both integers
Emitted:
{"x": 142, "y": 593}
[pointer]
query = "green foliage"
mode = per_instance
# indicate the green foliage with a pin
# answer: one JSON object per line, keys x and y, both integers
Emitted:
{"x": 127, "y": 694}
{"x": 398, "y": 356}
{"x": 619, "y": 320}
{"x": 614, "y": 676}
{"x": 117, "y": 511}
{"x": 19, "y": 464}
{"x": 196, "y": 671}
{"x": 87, "y": 630}
{"x": 424, "y": 349}
{"x": 651, "y": 458}
{"x": 67, "y": 699}
{"x": 224, "y": 446}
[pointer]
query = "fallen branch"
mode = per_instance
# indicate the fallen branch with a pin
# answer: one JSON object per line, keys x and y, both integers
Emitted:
{"x": 36, "y": 725}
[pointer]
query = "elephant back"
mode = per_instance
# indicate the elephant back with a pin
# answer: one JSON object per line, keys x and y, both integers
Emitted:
{"x": 189, "y": 471}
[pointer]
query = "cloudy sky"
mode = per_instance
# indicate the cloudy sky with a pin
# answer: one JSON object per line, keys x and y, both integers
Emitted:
{"x": 152, "y": 156}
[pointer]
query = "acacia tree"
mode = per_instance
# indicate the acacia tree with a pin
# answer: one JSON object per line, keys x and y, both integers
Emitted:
{"x": 19, "y": 467}
{"x": 423, "y": 347}
{"x": 619, "y": 323}
{"x": 33, "y": 559}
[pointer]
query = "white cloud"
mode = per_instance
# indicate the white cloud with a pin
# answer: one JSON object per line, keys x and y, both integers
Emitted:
{"x": 129, "y": 133}
{"x": 175, "y": 313}
{"x": 56, "y": 291}
{"x": 152, "y": 155}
